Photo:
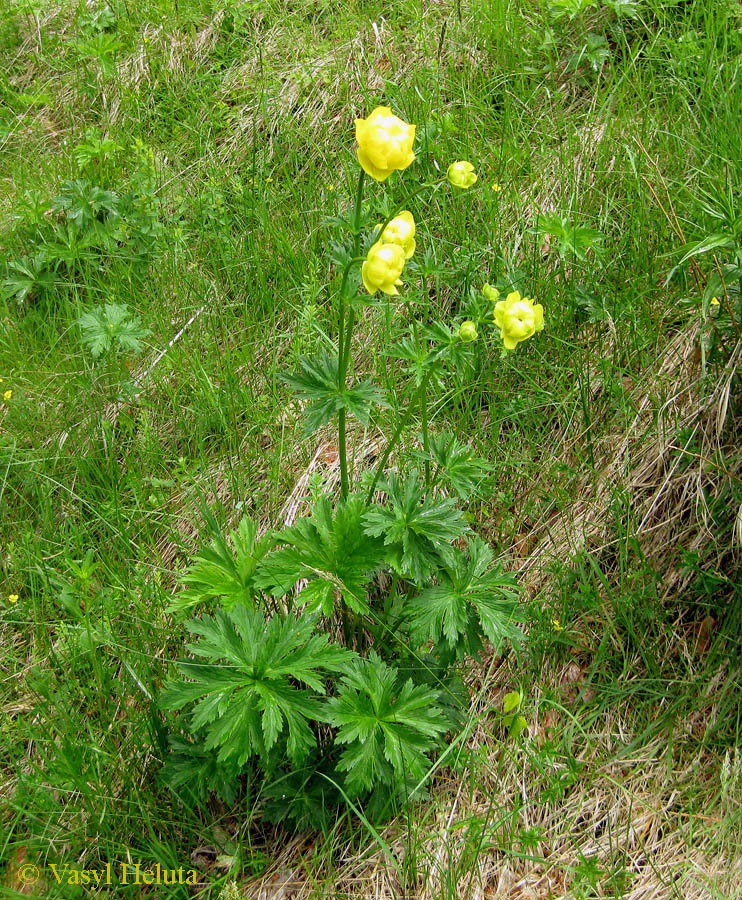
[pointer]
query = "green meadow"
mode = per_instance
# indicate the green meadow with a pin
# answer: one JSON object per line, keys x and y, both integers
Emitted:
{"x": 306, "y": 590}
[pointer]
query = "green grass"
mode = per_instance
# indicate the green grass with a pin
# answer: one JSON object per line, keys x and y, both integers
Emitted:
{"x": 232, "y": 127}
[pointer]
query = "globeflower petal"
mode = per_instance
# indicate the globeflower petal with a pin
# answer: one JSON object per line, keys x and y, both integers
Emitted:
{"x": 401, "y": 231}
{"x": 461, "y": 174}
{"x": 384, "y": 143}
{"x": 382, "y": 268}
{"x": 468, "y": 331}
{"x": 518, "y": 319}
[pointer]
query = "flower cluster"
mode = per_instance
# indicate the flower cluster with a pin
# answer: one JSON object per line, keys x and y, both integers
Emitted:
{"x": 387, "y": 257}
{"x": 385, "y": 145}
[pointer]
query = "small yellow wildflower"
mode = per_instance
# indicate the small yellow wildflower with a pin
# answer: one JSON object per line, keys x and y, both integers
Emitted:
{"x": 401, "y": 231}
{"x": 382, "y": 268}
{"x": 461, "y": 174}
{"x": 468, "y": 331}
{"x": 714, "y": 307}
{"x": 330, "y": 187}
{"x": 12, "y": 598}
{"x": 268, "y": 180}
{"x": 518, "y": 319}
{"x": 557, "y": 625}
{"x": 384, "y": 143}
{"x": 496, "y": 188}
{"x": 7, "y": 395}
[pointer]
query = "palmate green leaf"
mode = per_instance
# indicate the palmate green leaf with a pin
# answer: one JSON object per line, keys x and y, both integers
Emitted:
{"x": 84, "y": 203}
{"x": 388, "y": 726}
{"x": 112, "y": 326}
{"x": 331, "y": 550}
{"x": 417, "y": 530}
{"x": 25, "y": 276}
{"x": 470, "y": 597}
{"x": 245, "y": 695}
{"x": 316, "y": 383}
{"x": 456, "y": 461}
{"x": 194, "y": 771}
{"x": 225, "y": 570}
{"x": 446, "y": 345}
{"x": 574, "y": 240}
{"x": 421, "y": 361}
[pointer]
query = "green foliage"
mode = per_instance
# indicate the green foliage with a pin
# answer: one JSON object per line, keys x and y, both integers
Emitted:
{"x": 194, "y": 771}
{"x": 225, "y": 571}
{"x": 465, "y": 472}
{"x": 89, "y": 227}
{"x": 112, "y": 327}
{"x": 417, "y": 530}
{"x": 470, "y": 599}
{"x": 245, "y": 697}
{"x": 388, "y": 726}
{"x": 575, "y": 241}
{"x": 26, "y": 277}
{"x": 331, "y": 551}
{"x": 317, "y": 383}
{"x": 569, "y": 8}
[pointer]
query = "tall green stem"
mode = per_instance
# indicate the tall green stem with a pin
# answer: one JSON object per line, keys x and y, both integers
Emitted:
{"x": 403, "y": 420}
{"x": 344, "y": 339}
{"x": 422, "y": 397}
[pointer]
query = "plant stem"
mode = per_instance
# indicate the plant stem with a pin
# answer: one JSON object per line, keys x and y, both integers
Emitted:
{"x": 423, "y": 401}
{"x": 389, "y": 447}
{"x": 344, "y": 339}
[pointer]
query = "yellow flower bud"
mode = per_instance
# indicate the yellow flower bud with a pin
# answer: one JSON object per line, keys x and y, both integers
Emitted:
{"x": 491, "y": 293}
{"x": 382, "y": 268}
{"x": 384, "y": 143}
{"x": 468, "y": 331}
{"x": 518, "y": 319}
{"x": 401, "y": 231}
{"x": 461, "y": 174}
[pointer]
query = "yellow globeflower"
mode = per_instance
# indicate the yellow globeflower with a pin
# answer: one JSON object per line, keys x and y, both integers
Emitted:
{"x": 518, "y": 319}
{"x": 382, "y": 268}
{"x": 468, "y": 331}
{"x": 384, "y": 143}
{"x": 491, "y": 293}
{"x": 461, "y": 174}
{"x": 401, "y": 231}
